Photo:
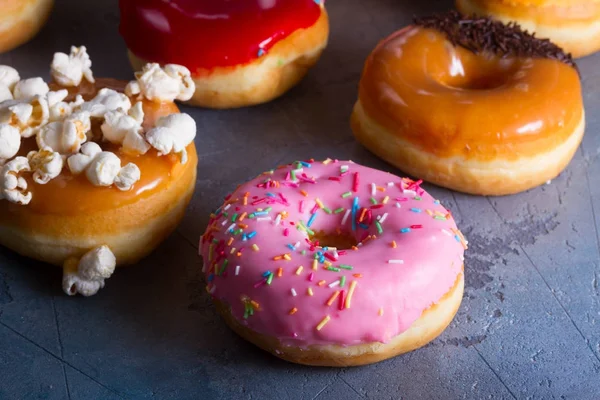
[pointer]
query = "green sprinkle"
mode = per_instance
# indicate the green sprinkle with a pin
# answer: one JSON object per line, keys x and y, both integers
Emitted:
{"x": 225, "y": 214}
{"x": 417, "y": 198}
{"x": 334, "y": 269}
{"x": 270, "y": 278}
{"x": 303, "y": 252}
{"x": 252, "y": 215}
{"x": 347, "y": 194}
{"x": 339, "y": 210}
{"x": 268, "y": 209}
{"x": 234, "y": 217}
{"x": 439, "y": 217}
{"x": 237, "y": 231}
{"x": 293, "y": 175}
{"x": 348, "y": 267}
{"x": 379, "y": 228}
{"x": 343, "y": 281}
{"x": 327, "y": 210}
{"x": 224, "y": 266}
{"x": 215, "y": 241}
{"x": 373, "y": 201}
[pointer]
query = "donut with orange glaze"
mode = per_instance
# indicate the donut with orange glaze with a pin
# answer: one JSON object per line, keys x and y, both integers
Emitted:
{"x": 21, "y": 20}
{"x": 472, "y": 105}
{"x": 109, "y": 209}
{"x": 240, "y": 52}
{"x": 573, "y": 25}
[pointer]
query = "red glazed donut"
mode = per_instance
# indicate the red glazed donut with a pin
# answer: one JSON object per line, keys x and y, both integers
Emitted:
{"x": 240, "y": 52}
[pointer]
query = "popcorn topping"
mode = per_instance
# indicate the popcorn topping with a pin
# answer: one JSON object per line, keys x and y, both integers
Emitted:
{"x": 27, "y": 89}
{"x": 12, "y": 186}
{"x": 9, "y": 76}
{"x": 5, "y": 93}
{"x": 106, "y": 100}
{"x": 127, "y": 177}
{"x": 10, "y": 141}
{"x": 173, "y": 134}
{"x": 174, "y": 82}
{"x": 65, "y": 137}
{"x": 28, "y": 117}
{"x": 87, "y": 275}
{"x": 45, "y": 164}
{"x": 69, "y": 70}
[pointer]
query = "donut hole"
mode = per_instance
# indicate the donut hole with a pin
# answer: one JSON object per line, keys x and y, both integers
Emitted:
{"x": 340, "y": 240}
{"x": 468, "y": 71}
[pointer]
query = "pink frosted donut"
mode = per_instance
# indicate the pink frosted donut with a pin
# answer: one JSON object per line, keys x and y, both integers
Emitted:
{"x": 332, "y": 263}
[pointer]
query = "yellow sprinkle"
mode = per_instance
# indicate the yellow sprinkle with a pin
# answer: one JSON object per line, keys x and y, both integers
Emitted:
{"x": 327, "y": 264}
{"x": 333, "y": 297}
{"x": 394, "y": 244}
{"x": 299, "y": 270}
{"x": 321, "y": 283}
{"x": 255, "y": 304}
{"x": 319, "y": 203}
{"x": 287, "y": 257}
{"x": 279, "y": 272}
{"x": 232, "y": 250}
{"x": 309, "y": 291}
{"x": 350, "y": 293}
{"x": 230, "y": 241}
{"x": 323, "y": 322}
{"x": 385, "y": 199}
{"x": 380, "y": 313}
{"x": 303, "y": 192}
{"x": 314, "y": 265}
{"x": 246, "y": 200}
{"x": 428, "y": 211}
{"x": 254, "y": 247}
{"x": 328, "y": 161}
{"x": 293, "y": 311}
{"x": 243, "y": 215}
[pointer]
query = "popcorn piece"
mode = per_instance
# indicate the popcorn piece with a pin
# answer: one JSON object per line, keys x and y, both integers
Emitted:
{"x": 45, "y": 164}
{"x": 10, "y": 142}
{"x": 5, "y": 93}
{"x": 57, "y": 107}
{"x": 106, "y": 100}
{"x": 103, "y": 169}
{"x": 12, "y": 186}
{"x": 173, "y": 134}
{"x": 65, "y": 137}
{"x": 27, "y": 89}
{"x": 173, "y": 82}
{"x": 126, "y": 129}
{"x": 28, "y": 117}
{"x": 79, "y": 162}
{"x": 86, "y": 276}
{"x": 127, "y": 177}
{"x": 9, "y": 76}
{"x": 69, "y": 70}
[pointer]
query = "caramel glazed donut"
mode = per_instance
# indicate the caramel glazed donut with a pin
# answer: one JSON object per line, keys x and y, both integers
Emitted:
{"x": 21, "y": 20}
{"x": 240, "y": 52}
{"x": 471, "y": 104}
{"x": 334, "y": 264}
{"x": 573, "y": 25}
{"x": 91, "y": 178}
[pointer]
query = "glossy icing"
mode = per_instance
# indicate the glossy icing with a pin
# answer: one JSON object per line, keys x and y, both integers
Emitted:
{"x": 543, "y": 11}
{"x": 417, "y": 234}
{"x": 203, "y": 34}
{"x": 72, "y": 195}
{"x": 485, "y": 107}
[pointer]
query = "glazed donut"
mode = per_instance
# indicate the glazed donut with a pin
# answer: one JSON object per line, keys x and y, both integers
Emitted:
{"x": 334, "y": 264}
{"x": 87, "y": 170}
{"x": 574, "y": 25}
{"x": 240, "y": 52}
{"x": 471, "y": 105}
{"x": 21, "y": 20}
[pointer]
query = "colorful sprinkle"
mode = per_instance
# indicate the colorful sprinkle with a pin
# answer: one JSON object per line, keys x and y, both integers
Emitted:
{"x": 323, "y": 322}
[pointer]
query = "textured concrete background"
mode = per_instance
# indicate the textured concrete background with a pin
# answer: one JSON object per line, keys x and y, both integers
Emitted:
{"x": 529, "y": 326}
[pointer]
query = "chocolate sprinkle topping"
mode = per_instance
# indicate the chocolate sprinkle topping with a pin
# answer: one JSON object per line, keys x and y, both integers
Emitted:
{"x": 481, "y": 34}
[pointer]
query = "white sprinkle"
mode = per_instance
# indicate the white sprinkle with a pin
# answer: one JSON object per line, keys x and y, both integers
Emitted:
{"x": 407, "y": 191}
{"x": 204, "y": 267}
{"x": 264, "y": 218}
{"x": 383, "y": 218}
{"x": 548, "y": 182}
{"x": 231, "y": 226}
{"x": 373, "y": 190}
{"x": 224, "y": 222}
{"x": 212, "y": 289}
{"x": 346, "y": 217}
{"x": 335, "y": 254}
{"x": 296, "y": 245}
{"x": 237, "y": 270}
{"x": 344, "y": 168}
{"x": 334, "y": 284}
{"x": 446, "y": 232}
{"x": 293, "y": 292}
{"x": 390, "y": 184}
{"x": 398, "y": 205}
{"x": 395, "y": 261}
{"x": 462, "y": 258}
{"x": 226, "y": 207}
{"x": 277, "y": 219}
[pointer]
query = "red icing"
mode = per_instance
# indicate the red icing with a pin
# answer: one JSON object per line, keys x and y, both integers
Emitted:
{"x": 203, "y": 34}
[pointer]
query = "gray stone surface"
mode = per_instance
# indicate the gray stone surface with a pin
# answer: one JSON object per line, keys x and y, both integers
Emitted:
{"x": 529, "y": 326}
